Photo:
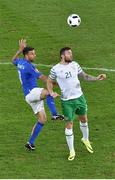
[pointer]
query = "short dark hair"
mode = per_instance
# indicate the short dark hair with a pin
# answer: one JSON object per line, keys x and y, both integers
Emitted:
{"x": 27, "y": 49}
{"x": 63, "y": 50}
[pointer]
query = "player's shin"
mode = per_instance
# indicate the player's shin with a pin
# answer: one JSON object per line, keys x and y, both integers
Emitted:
{"x": 36, "y": 130}
{"x": 85, "y": 130}
{"x": 85, "y": 139}
{"x": 51, "y": 105}
{"x": 70, "y": 139}
{"x": 70, "y": 143}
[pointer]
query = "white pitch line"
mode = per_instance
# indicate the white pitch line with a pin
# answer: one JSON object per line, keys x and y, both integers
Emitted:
{"x": 49, "y": 66}
{"x": 99, "y": 69}
{"x": 5, "y": 63}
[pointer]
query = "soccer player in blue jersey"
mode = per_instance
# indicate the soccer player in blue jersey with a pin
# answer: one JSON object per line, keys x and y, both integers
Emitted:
{"x": 34, "y": 95}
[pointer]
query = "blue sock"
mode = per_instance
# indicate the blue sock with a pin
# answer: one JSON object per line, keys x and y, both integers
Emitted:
{"x": 36, "y": 131}
{"x": 51, "y": 105}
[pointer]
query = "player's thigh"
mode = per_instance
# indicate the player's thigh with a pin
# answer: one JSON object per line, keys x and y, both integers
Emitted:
{"x": 81, "y": 107}
{"x": 37, "y": 106}
{"x": 34, "y": 95}
{"x": 68, "y": 111}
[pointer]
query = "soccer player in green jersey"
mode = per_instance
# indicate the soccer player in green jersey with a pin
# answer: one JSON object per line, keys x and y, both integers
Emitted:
{"x": 67, "y": 73}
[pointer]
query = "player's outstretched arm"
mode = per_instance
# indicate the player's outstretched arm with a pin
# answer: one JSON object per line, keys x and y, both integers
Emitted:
{"x": 89, "y": 77}
{"x": 22, "y": 45}
{"x": 43, "y": 78}
{"x": 50, "y": 83}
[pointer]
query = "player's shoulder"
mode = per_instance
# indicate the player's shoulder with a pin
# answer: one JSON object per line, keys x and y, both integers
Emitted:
{"x": 75, "y": 63}
{"x": 24, "y": 63}
{"x": 17, "y": 61}
{"x": 56, "y": 66}
{"x": 77, "y": 66}
{"x": 20, "y": 60}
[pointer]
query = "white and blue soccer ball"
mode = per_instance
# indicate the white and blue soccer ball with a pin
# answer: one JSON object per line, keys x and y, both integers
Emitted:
{"x": 74, "y": 20}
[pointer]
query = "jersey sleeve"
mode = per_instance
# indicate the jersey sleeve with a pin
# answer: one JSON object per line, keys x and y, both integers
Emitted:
{"x": 52, "y": 74}
{"x": 15, "y": 61}
{"x": 79, "y": 69}
{"x": 32, "y": 70}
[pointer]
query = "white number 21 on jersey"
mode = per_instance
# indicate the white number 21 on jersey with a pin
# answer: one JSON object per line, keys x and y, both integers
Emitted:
{"x": 68, "y": 74}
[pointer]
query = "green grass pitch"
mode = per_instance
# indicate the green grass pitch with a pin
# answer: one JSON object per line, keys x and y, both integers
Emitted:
{"x": 43, "y": 24}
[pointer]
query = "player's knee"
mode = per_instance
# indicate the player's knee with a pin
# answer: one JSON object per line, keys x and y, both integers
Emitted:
{"x": 68, "y": 132}
{"x": 69, "y": 125}
{"x": 42, "y": 117}
{"x": 83, "y": 118}
{"x": 44, "y": 93}
{"x": 43, "y": 120}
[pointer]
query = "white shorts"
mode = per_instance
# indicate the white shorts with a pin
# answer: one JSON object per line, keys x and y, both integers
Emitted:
{"x": 33, "y": 99}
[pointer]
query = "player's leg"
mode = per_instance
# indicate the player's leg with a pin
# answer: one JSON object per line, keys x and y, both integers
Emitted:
{"x": 84, "y": 126}
{"x": 41, "y": 116}
{"x": 51, "y": 105}
{"x": 33, "y": 99}
{"x": 85, "y": 132}
{"x": 81, "y": 111}
{"x": 69, "y": 116}
{"x": 70, "y": 139}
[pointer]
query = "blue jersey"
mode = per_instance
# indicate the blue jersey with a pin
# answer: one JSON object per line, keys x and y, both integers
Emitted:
{"x": 28, "y": 74}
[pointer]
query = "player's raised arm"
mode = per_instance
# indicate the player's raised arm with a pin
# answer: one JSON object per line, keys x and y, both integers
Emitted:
{"x": 22, "y": 45}
{"x": 89, "y": 77}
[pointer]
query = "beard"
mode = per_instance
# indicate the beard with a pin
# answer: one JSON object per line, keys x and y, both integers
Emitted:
{"x": 31, "y": 60}
{"x": 68, "y": 60}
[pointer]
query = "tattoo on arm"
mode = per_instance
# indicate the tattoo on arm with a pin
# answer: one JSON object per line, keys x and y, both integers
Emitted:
{"x": 87, "y": 77}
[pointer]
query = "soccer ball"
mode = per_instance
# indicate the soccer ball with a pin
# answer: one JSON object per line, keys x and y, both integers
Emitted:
{"x": 74, "y": 20}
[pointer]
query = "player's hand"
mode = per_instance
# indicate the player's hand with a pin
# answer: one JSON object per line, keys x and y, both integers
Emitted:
{"x": 54, "y": 94}
{"x": 22, "y": 44}
{"x": 101, "y": 77}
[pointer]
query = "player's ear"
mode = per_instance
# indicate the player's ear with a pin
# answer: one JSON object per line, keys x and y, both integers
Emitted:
{"x": 61, "y": 56}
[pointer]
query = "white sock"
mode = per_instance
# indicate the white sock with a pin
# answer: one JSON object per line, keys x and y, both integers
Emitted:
{"x": 70, "y": 138}
{"x": 85, "y": 130}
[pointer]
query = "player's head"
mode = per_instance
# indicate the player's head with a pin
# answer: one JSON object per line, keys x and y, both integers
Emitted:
{"x": 66, "y": 54}
{"x": 29, "y": 53}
